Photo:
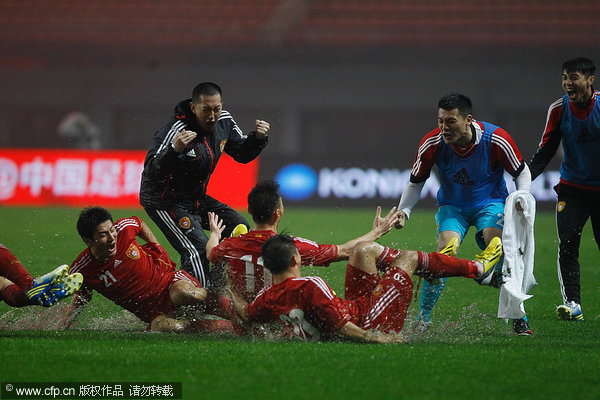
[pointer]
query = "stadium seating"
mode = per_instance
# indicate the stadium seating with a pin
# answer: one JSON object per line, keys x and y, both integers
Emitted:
{"x": 323, "y": 23}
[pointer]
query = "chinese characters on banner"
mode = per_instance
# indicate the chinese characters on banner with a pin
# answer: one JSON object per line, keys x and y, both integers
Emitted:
{"x": 67, "y": 177}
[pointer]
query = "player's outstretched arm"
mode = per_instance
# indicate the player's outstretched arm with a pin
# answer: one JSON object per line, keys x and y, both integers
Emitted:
{"x": 354, "y": 332}
{"x": 409, "y": 199}
{"x": 381, "y": 226}
{"x": 80, "y": 300}
{"x": 216, "y": 229}
{"x": 401, "y": 219}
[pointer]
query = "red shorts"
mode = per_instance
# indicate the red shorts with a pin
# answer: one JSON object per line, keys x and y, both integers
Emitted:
{"x": 161, "y": 303}
{"x": 382, "y": 302}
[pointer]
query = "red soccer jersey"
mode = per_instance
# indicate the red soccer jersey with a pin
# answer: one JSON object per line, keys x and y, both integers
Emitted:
{"x": 306, "y": 306}
{"x": 243, "y": 256}
{"x": 136, "y": 278}
{"x": 504, "y": 152}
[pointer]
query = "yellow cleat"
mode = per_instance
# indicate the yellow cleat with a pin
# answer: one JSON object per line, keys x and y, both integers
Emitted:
{"x": 488, "y": 258}
{"x": 239, "y": 230}
{"x": 450, "y": 249}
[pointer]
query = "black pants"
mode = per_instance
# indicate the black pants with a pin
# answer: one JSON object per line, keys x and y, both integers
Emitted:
{"x": 574, "y": 207}
{"x": 184, "y": 229}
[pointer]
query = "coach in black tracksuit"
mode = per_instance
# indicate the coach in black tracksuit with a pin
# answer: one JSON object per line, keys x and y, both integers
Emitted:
{"x": 178, "y": 166}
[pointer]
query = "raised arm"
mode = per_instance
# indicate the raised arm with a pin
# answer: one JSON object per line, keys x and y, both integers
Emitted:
{"x": 216, "y": 229}
{"x": 245, "y": 148}
{"x": 381, "y": 226}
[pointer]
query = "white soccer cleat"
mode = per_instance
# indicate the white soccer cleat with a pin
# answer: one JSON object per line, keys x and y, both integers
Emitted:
{"x": 570, "y": 311}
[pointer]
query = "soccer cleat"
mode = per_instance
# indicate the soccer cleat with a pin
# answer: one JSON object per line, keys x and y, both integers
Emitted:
{"x": 450, "y": 249}
{"x": 239, "y": 230}
{"x": 55, "y": 276}
{"x": 488, "y": 258}
{"x": 42, "y": 284}
{"x": 570, "y": 311}
{"x": 497, "y": 279}
{"x": 521, "y": 327}
{"x": 59, "y": 291}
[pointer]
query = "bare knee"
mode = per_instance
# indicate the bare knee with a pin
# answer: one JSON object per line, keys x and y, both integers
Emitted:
{"x": 185, "y": 293}
{"x": 365, "y": 252}
{"x": 407, "y": 260}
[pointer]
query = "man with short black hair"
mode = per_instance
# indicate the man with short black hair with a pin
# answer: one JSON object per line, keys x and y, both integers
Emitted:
{"x": 573, "y": 119}
{"x": 471, "y": 157}
{"x": 183, "y": 155}
{"x": 242, "y": 255}
{"x": 140, "y": 278}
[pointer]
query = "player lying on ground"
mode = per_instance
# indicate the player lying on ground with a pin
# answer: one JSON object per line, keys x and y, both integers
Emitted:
{"x": 18, "y": 288}
{"x": 374, "y": 307}
{"x": 241, "y": 255}
{"x": 140, "y": 278}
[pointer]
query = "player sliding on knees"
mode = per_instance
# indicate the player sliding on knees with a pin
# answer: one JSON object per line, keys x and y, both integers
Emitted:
{"x": 18, "y": 288}
{"x": 140, "y": 278}
{"x": 241, "y": 255}
{"x": 374, "y": 307}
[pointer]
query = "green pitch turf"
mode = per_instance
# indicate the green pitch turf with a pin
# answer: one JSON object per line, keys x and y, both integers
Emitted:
{"x": 469, "y": 353}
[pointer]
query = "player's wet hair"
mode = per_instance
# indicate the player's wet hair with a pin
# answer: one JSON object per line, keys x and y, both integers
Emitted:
{"x": 263, "y": 200}
{"x": 277, "y": 252}
{"x": 580, "y": 64}
{"x": 205, "y": 89}
{"x": 456, "y": 100}
{"x": 90, "y": 218}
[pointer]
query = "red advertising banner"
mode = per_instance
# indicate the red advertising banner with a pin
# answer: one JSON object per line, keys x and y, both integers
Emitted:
{"x": 111, "y": 178}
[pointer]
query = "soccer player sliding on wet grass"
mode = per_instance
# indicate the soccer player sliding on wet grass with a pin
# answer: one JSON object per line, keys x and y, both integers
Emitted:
{"x": 374, "y": 307}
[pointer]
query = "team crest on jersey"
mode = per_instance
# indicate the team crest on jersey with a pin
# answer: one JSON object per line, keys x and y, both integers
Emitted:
{"x": 561, "y": 206}
{"x": 377, "y": 291}
{"x": 222, "y": 144}
{"x": 185, "y": 223}
{"x": 133, "y": 252}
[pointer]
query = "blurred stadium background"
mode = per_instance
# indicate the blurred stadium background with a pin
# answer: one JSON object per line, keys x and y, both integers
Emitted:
{"x": 348, "y": 86}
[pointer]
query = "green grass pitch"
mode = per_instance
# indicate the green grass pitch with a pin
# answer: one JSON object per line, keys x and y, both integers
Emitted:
{"x": 469, "y": 354}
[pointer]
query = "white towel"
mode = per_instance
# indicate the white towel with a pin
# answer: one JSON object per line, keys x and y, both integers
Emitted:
{"x": 519, "y": 248}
